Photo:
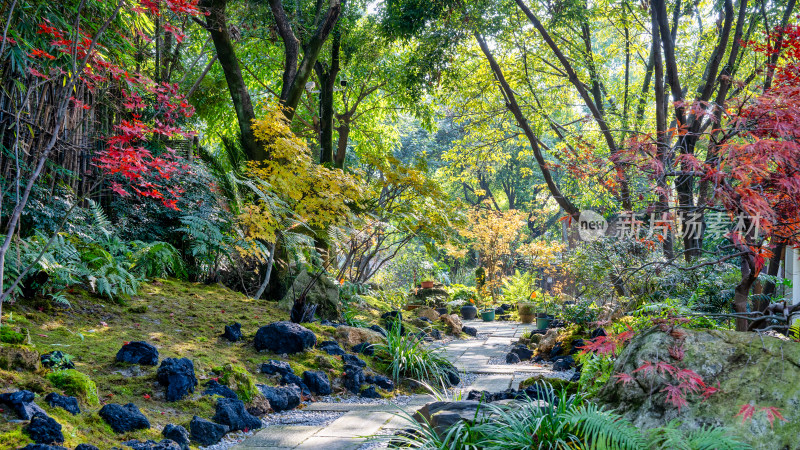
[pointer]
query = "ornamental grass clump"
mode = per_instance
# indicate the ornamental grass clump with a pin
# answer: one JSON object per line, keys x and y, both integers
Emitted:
{"x": 409, "y": 357}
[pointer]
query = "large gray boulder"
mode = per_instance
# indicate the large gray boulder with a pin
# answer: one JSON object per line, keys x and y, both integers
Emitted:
{"x": 443, "y": 415}
{"x": 324, "y": 294}
{"x": 745, "y": 368}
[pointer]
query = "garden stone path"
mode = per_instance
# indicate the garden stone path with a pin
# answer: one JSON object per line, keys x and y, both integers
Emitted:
{"x": 359, "y": 421}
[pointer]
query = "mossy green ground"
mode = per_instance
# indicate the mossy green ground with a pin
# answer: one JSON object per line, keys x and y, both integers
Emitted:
{"x": 181, "y": 319}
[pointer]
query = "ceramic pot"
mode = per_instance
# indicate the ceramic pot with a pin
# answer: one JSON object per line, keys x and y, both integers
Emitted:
{"x": 469, "y": 312}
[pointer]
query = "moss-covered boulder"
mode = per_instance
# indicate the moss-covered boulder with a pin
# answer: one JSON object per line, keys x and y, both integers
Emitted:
{"x": 11, "y": 335}
{"x": 76, "y": 384}
{"x": 557, "y": 383}
{"x": 324, "y": 294}
{"x": 435, "y": 296}
{"x": 239, "y": 380}
{"x": 18, "y": 357}
{"x": 744, "y": 368}
{"x": 352, "y": 336}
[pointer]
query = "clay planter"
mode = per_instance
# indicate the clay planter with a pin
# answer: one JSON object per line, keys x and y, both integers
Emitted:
{"x": 441, "y": 311}
{"x": 526, "y": 314}
{"x": 413, "y": 307}
{"x": 488, "y": 315}
{"x": 469, "y": 312}
{"x": 427, "y": 284}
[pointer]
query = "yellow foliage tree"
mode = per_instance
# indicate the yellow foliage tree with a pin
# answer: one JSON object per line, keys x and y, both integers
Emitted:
{"x": 317, "y": 195}
{"x": 499, "y": 238}
{"x": 494, "y": 234}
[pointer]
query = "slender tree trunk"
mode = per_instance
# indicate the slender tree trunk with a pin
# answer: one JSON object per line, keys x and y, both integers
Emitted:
{"x": 296, "y": 75}
{"x": 271, "y": 260}
{"x": 661, "y": 137}
{"x": 742, "y": 291}
{"x": 341, "y": 146}
{"x": 513, "y": 106}
{"x": 772, "y": 270}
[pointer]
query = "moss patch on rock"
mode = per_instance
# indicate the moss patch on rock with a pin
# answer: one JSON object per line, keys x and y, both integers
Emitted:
{"x": 9, "y": 335}
{"x": 75, "y": 383}
{"x": 557, "y": 383}
{"x": 18, "y": 357}
{"x": 240, "y": 380}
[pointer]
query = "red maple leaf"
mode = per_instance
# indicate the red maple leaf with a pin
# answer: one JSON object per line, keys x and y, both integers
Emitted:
{"x": 675, "y": 396}
{"x": 624, "y": 378}
{"x": 772, "y": 413}
{"x": 708, "y": 391}
{"x": 665, "y": 368}
{"x": 647, "y": 367}
{"x": 746, "y": 412}
{"x": 691, "y": 380}
{"x": 677, "y": 352}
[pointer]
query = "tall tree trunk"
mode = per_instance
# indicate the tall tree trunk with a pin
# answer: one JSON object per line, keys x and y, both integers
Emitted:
{"x": 512, "y": 105}
{"x": 327, "y": 80}
{"x": 218, "y": 28}
{"x": 296, "y": 75}
{"x": 661, "y": 136}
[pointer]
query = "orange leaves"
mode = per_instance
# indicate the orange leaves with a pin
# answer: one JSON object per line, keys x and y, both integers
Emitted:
{"x": 38, "y": 53}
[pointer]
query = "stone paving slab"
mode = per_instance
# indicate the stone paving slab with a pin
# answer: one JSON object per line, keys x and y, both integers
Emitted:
{"x": 346, "y": 407}
{"x": 356, "y": 424}
{"x": 331, "y": 443}
{"x": 280, "y": 436}
{"x": 492, "y": 383}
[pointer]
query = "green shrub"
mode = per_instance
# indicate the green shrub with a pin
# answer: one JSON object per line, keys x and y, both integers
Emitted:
{"x": 519, "y": 287}
{"x": 581, "y": 312}
{"x": 9, "y": 336}
{"x": 240, "y": 380}
{"x": 597, "y": 370}
{"x": 75, "y": 383}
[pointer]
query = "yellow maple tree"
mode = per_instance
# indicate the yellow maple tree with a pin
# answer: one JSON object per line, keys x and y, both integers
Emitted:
{"x": 316, "y": 195}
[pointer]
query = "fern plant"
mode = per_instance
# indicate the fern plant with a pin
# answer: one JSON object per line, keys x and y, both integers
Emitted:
{"x": 518, "y": 287}
{"x": 671, "y": 437}
{"x": 596, "y": 370}
{"x": 157, "y": 260}
{"x": 563, "y": 424}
